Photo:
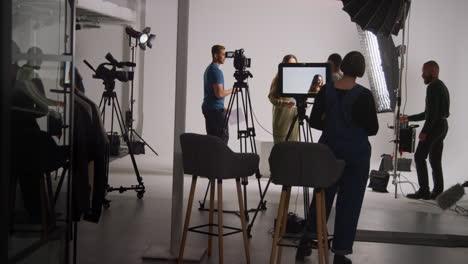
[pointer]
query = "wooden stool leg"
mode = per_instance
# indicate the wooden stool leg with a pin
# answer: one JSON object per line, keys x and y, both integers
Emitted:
{"x": 220, "y": 221}
{"x": 318, "y": 203}
{"x": 242, "y": 217}
{"x": 212, "y": 197}
{"x": 283, "y": 223}
{"x": 187, "y": 219}
{"x": 278, "y": 224}
{"x": 325, "y": 229}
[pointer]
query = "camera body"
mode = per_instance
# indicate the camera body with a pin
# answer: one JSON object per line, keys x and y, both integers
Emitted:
{"x": 108, "y": 75}
{"x": 240, "y": 61}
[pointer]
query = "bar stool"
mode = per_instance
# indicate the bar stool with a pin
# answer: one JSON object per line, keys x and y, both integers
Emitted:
{"x": 304, "y": 165}
{"x": 208, "y": 156}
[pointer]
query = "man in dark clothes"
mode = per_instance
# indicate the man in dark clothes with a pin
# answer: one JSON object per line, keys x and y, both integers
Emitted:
{"x": 431, "y": 138}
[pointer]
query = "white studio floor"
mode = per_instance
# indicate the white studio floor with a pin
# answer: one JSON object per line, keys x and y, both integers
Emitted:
{"x": 130, "y": 225}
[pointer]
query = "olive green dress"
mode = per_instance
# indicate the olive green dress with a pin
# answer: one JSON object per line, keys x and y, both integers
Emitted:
{"x": 282, "y": 115}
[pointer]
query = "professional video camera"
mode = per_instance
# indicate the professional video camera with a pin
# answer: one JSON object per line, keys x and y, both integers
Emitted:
{"x": 109, "y": 75}
{"x": 240, "y": 61}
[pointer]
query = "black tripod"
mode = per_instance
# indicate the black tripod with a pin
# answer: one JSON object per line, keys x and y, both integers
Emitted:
{"x": 305, "y": 134}
{"x": 246, "y": 135}
{"x": 109, "y": 98}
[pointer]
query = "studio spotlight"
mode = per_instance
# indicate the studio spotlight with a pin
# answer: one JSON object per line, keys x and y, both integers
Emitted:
{"x": 143, "y": 38}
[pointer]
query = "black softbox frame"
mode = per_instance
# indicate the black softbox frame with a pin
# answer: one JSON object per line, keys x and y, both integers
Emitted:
{"x": 381, "y": 17}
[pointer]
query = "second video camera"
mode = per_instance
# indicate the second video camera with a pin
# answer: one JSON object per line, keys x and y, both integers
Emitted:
{"x": 109, "y": 74}
{"x": 240, "y": 61}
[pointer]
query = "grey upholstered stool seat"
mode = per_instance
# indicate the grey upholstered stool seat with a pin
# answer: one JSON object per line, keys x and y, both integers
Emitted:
{"x": 304, "y": 165}
{"x": 208, "y": 156}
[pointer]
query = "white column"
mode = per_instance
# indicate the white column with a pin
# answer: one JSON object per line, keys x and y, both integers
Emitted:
{"x": 179, "y": 123}
{"x": 171, "y": 253}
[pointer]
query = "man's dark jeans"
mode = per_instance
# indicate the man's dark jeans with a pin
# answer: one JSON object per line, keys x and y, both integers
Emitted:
{"x": 214, "y": 122}
{"x": 433, "y": 147}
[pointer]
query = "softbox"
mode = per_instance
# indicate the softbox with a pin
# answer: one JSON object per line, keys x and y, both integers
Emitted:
{"x": 382, "y": 69}
{"x": 381, "y": 17}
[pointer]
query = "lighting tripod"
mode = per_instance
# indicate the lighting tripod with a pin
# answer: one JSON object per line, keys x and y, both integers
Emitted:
{"x": 305, "y": 133}
{"x": 246, "y": 135}
{"x": 397, "y": 124}
{"x": 129, "y": 114}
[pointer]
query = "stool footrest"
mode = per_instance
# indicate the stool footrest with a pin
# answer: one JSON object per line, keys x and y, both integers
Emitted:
{"x": 195, "y": 230}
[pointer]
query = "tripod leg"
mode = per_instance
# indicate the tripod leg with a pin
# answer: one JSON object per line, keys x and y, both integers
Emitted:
{"x": 262, "y": 202}
{"x": 129, "y": 145}
{"x": 104, "y": 100}
{"x": 59, "y": 186}
{"x": 310, "y": 132}
{"x": 202, "y": 204}
{"x": 146, "y": 143}
{"x": 229, "y": 109}
{"x": 245, "y": 182}
{"x": 306, "y": 202}
{"x": 103, "y": 109}
{"x": 249, "y": 228}
{"x": 291, "y": 128}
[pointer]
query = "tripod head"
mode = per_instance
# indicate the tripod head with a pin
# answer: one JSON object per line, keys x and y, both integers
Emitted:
{"x": 242, "y": 75}
{"x": 301, "y": 104}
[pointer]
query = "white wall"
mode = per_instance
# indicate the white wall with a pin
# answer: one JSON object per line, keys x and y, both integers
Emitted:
{"x": 159, "y": 92}
{"x": 311, "y": 30}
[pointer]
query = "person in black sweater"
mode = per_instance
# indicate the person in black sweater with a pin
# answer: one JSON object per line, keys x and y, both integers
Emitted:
{"x": 431, "y": 138}
{"x": 345, "y": 112}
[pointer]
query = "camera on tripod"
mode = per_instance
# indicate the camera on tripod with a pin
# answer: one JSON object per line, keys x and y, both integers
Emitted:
{"x": 240, "y": 61}
{"x": 108, "y": 75}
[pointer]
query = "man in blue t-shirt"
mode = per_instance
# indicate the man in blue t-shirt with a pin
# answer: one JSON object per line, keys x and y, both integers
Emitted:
{"x": 214, "y": 93}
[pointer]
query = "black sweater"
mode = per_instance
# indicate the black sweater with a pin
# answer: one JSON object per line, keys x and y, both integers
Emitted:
{"x": 363, "y": 110}
{"x": 437, "y": 106}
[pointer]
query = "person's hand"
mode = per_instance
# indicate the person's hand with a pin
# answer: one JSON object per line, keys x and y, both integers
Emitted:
{"x": 234, "y": 90}
{"x": 422, "y": 136}
{"x": 290, "y": 104}
{"x": 404, "y": 118}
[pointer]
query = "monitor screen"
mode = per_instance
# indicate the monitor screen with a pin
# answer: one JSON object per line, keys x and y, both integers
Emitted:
{"x": 302, "y": 79}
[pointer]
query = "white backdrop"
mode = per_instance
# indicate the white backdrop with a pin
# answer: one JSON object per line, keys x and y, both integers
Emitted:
{"x": 310, "y": 29}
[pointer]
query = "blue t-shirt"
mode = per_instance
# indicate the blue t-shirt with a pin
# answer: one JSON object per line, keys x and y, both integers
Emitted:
{"x": 213, "y": 75}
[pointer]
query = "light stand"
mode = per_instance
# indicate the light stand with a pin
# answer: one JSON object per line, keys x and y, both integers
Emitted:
{"x": 395, "y": 173}
{"x": 129, "y": 118}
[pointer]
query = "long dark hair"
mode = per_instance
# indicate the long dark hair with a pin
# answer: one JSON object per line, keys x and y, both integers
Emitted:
{"x": 288, "y": 57}
{"x": 315, "y": 81}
